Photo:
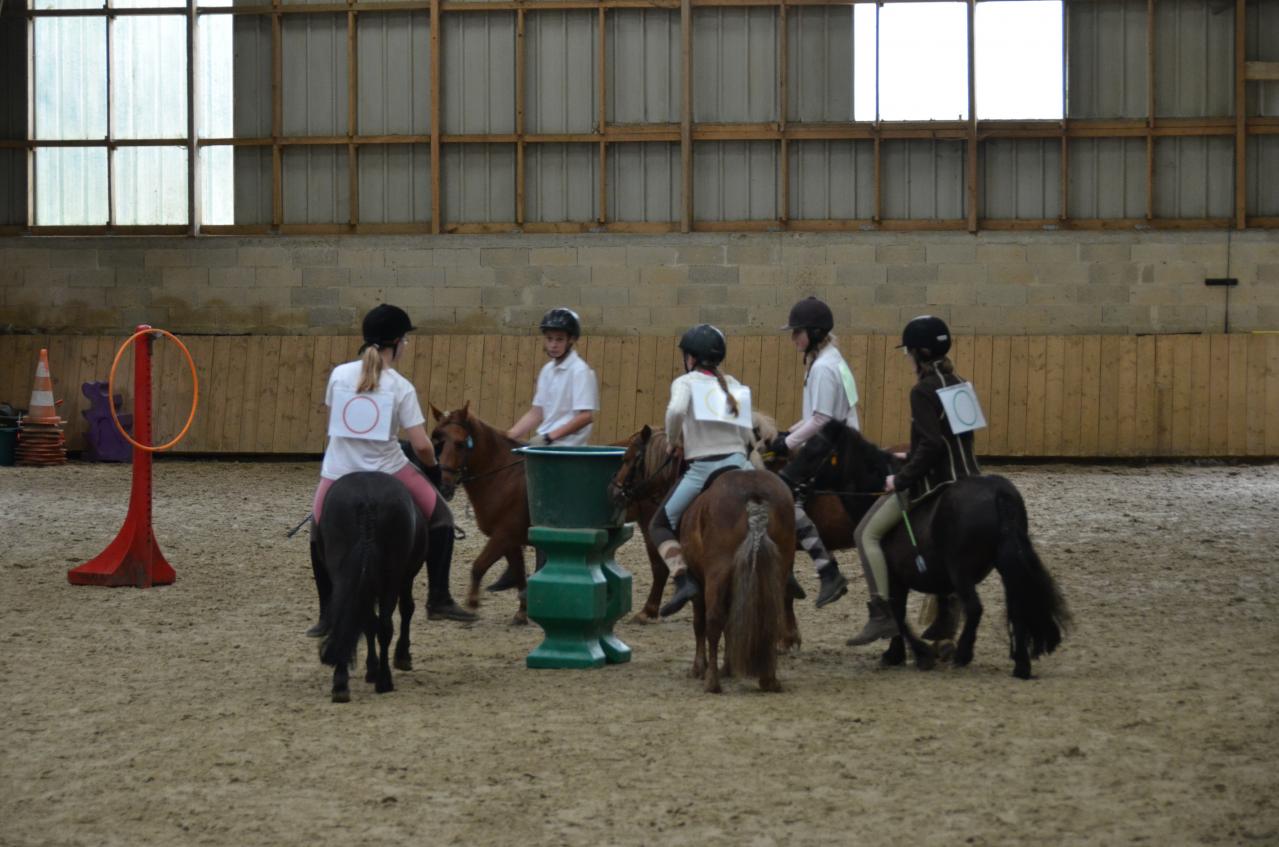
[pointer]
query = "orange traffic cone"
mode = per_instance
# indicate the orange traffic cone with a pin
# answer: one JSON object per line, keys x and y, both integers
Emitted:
{"x": 43, "y": 406}
{"x": 40, "y": 438}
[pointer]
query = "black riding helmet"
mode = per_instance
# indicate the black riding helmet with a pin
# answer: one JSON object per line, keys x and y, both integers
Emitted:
{"x": 927, "y": 334}
{"x": 563, "y": 319}
{"x": 384, "y": 325}
{"x": 705, "y": 344}
{"x": 813, "y": 316}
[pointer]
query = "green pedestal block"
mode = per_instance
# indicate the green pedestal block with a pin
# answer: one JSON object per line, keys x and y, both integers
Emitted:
{"x": 578, "y": 597}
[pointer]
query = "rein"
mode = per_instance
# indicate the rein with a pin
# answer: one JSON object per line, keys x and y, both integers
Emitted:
{"x": 461, "y": 471}
{"x": 632, "y": 491}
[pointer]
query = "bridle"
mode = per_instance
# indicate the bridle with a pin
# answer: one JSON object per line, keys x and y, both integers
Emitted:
{"x": 461, "y": 472}
{"x": 634, "y": 491}
{"x": 803, "y": 491}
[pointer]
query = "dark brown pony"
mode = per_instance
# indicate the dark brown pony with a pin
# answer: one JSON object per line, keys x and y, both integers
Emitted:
{"x": 479, "y": 458}
{"x": 739, "y": 540}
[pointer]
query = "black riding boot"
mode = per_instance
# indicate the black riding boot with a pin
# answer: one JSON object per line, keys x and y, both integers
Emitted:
{"x": 439, "y": 561}
{"x": 323, "y": 587}
{"x": 834, "y": 585}
{"x": 686, "y": 588}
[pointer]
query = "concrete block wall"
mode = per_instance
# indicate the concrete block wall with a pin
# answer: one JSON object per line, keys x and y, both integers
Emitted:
{"x": 999, "y": 283}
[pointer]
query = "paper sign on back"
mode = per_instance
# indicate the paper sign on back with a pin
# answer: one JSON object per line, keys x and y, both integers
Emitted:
{"x": 367, "y": 417}
{"x": 710, "y": 404}
{"x": 961, "y": 407}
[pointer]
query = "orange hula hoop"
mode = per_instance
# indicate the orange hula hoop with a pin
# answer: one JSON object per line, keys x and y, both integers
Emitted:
{"x": 195, "y": 389}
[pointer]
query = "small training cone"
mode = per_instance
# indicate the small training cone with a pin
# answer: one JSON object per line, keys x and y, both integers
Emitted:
{"x": 42, "y": 408}
{"x": 40, "y": 439}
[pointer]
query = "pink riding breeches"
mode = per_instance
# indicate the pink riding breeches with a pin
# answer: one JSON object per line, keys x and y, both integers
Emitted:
{"x": 418, "y": 485}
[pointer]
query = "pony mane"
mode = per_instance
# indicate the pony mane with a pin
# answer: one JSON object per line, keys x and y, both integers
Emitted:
{"x": 848, "y": 440}
{"x": 655, "y": 453}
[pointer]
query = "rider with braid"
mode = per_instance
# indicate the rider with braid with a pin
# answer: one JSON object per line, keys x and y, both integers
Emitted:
{"x": 708, "y": 446}
{"x": 937, "y": 457}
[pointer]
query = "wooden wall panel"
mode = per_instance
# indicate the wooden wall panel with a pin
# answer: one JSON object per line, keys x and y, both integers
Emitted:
{"x": 1086, "y": 396}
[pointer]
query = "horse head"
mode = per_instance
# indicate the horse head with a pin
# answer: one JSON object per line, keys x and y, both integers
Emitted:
{"x": 839, "y": 458}
{"x": 454, "y": 442}
{"x": 621, "y": 488}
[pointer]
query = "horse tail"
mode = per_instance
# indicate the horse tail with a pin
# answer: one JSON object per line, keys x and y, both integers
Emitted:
{"x": 1033, "y": 600}
{"x": 352, "y": 599}
{"x": 755, "y": 615}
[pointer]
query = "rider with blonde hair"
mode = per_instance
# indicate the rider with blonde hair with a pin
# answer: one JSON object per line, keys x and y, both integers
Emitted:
{"x": 385, "y": 329}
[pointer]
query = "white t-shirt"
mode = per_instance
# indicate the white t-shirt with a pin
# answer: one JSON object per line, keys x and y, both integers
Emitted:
{"x": 702, "y": 438}
{"x": 565, "y": 388}
{"x": 347, "y": 455}
{"x": 825, "y": 391}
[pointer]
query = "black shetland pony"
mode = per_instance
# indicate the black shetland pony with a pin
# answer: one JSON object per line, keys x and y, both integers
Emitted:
{"x": 964, "y": 531}
{"x": 375, "y": 541}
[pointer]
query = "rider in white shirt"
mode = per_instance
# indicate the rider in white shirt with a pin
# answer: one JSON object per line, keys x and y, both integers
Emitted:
{"x": 709, "y": 445}
{"x": 567, "y": 396}
{"x": 830, "y": 393}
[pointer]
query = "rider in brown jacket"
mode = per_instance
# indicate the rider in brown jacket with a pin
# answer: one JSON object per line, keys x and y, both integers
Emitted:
{"x": 937, "y": 457}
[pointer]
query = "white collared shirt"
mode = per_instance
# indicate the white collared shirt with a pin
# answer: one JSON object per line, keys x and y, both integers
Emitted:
{"x": 824, "y": 390}
{"x": 347, "y": 455}
{"x": 565, "y": 388}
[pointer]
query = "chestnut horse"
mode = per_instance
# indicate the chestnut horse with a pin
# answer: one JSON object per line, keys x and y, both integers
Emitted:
{"x": 739, "y": 540}
{"x": 478, "y": 457}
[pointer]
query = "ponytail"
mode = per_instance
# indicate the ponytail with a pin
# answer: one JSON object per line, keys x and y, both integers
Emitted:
{"x": 371, "y": 370}
{"x": 732, "y": 401}
{"x": 811, "y": 354}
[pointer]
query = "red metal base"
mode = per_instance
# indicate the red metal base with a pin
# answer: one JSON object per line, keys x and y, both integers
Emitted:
{"x": 133, "y": 559}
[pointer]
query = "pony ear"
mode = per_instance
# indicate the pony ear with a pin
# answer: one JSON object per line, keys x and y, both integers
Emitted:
{"x": 436, "y": 412}
{"x": 464, "y": 412}
{"x": 646, "y": 433}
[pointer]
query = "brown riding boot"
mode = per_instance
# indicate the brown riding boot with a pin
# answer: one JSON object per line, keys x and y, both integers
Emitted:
{"x": 880, "y": 624}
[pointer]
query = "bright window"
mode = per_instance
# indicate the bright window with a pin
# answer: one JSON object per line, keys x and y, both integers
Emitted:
{"x": 1018, "y": 45}
{"x": 923, "y": 61}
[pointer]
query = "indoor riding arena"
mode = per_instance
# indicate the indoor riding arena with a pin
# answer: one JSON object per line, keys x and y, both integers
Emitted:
{"x": 1085, "y": 192}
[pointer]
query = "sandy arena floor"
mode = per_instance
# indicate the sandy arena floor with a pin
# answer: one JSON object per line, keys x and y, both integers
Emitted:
{"x": 199, "y": 714}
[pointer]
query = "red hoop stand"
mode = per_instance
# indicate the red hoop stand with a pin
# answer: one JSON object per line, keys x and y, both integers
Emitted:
{"x": 134, "y": 557}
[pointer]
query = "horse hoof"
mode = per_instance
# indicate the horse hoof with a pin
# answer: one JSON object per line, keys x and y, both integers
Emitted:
{"x": 403, "y": 664}
{"x": 505, "y": 582}
{"x": 891, "y": 659}
{"x": 643, "y": 618}
{"x": 384, "y": 687}
{"x": 963, "y": 658}
{"x": 341, "y": 696}
{"x": 946, "y": 651}
{"x": 771, "y": 685}
{"x": 520, "y": 619}
{"x": 713, "y": 687}
{"x": 1022, "y": 672}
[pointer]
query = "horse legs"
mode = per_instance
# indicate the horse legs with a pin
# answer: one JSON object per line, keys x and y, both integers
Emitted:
{"x": 1020, "y": 651}
{"x": 661, "y": 572}
{"x": 341, "y": 684}
{"x": 714, "y": 630}
{"x": 972, "y": 617}
{"x": 515, "y": 564}
{"x": 403, "y": 658}
{"x": 925, "y": 658}
{"x": 493, "y": 550}
{"x": 699, "y": 637}
{"x": 385, "y": 630}
{"x": 790, "y": 634}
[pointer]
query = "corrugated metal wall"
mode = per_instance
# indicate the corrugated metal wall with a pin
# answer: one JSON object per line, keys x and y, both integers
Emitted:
{"x": 819, "y": 55}
{"x": 735, "y": 180}
{"x": 922, "y": 179}
{"x": 1020, "y": 178}
{"x": 1106, "y": 65}
{"x": 735, "y": 65}
{"x": 1194, "y": 58}
{"x": 1263, "y": 17}
{"x": 643, "y": 182}
{"x": 561, "y": 76}
{"x": 1263, "y": 175}
{"x": 642, "y": 56}
{"x": 735, "y": 57}
{"x": 832, "y": 180}
{"x": 1107, "y": 178}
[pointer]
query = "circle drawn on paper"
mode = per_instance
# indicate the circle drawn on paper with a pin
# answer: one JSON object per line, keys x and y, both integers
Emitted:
{"x": 965, "y": 407}
{"x": 360, "y": 415}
